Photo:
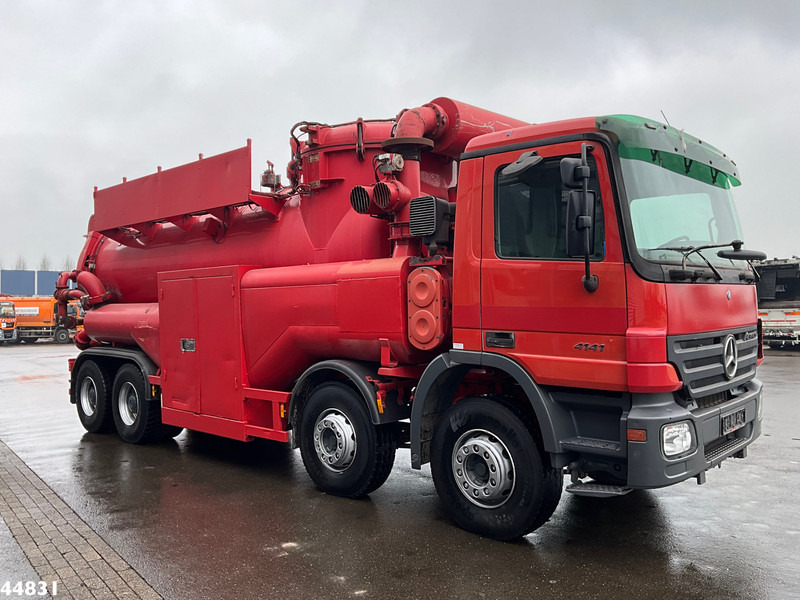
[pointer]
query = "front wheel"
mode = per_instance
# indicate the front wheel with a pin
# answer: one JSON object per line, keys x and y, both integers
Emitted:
{"x": 489, "y": 471}
{"x": 138, "y": 419}
{"x": 61, "y": 336}
{"x": 343, "y": 452}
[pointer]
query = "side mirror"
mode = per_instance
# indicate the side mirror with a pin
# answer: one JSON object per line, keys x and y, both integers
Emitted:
{"x": 738, "y": 254}
{"x": 574, "y": 171}
{"x": 580, "y": 223}
{"x": 575, "y": 174}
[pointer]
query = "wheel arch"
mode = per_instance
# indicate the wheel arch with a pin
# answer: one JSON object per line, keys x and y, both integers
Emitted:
{"x": 362, "y": 376}
{"x": 112, "y": 359}
{"x": 438, "y": 384}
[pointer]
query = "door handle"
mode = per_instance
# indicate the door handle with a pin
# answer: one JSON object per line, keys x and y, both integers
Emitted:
{"x": 500, "y": 339}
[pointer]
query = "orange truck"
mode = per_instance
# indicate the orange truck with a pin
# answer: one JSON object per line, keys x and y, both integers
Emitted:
{"x": 37, "y": 318}
{"x": 8, "y": 323}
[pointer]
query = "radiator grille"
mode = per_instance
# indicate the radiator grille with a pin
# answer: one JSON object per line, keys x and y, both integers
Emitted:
{"x": 698, "y": 359}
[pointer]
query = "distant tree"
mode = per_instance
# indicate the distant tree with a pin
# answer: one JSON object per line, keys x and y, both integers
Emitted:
{"x": 69, "y": 263}
{"x": 21, "y": 264}
{"x": 44, "y": 264}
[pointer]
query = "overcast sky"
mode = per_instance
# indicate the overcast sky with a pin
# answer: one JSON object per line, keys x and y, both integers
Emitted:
{"x": 94, "y": 91}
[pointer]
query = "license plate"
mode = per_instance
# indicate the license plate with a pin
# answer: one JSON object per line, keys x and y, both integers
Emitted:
{"x": 732, "y": 421}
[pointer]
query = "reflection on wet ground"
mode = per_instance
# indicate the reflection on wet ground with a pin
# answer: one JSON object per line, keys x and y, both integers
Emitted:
{"x": 201, "y": 516}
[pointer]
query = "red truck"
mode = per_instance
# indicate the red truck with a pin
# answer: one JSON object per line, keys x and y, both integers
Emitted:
{"x": 513, "y": 302}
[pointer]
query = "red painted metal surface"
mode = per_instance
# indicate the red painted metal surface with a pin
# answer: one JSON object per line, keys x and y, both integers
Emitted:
{"x": 451, "y": 124}
{"x": 544, "y": 303}
{"x": 201, "y": 357}
{"x": 428, "y": 308}
{"x": 201, "y": 186}
{"x": 467, "y": 258}
{"x": 694, "y": 308}
{"x": 529, "y": 133}
{"x": 335, "y": 310}
{"x": 126, "y": 325}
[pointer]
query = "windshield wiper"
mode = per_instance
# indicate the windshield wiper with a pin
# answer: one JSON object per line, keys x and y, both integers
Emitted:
{"x": 698, "y": 249}
{"x": 687, "y": 251}
{"x": 736, "y": 254}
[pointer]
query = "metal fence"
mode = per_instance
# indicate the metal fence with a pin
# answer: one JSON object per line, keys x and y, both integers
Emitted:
{"x": 28, "y": 283}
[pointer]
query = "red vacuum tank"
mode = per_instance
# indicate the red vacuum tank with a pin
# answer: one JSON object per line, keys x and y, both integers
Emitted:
{"x": 326, "y": 257}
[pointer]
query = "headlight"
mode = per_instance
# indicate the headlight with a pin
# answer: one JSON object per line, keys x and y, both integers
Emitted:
{"x": 677, "y": 438}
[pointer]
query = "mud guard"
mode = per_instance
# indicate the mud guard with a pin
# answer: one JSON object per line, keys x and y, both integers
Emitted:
{"x": 362, "y": 375}
{"x": 121, "y": 355}
{"x": 445, "y": 373}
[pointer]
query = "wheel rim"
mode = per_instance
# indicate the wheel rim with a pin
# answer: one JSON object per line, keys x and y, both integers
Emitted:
{"x": 88, "y": 396}
{"x": 483, "y": 468}
{"x": 335, "y": 440}
{"x": 128, "y": 403}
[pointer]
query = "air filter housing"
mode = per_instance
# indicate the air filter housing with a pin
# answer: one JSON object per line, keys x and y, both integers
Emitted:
{"x": 430, "y": 218}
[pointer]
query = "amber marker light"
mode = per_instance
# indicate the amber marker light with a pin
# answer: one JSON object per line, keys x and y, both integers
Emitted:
{"x": 637, "y": 435}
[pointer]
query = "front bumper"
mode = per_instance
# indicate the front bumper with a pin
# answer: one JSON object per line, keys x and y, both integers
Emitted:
{"x": 648, "y": 467}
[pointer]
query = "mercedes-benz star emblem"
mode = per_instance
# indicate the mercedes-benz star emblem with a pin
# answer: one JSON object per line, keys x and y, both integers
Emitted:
{"x": 730, "y": 357}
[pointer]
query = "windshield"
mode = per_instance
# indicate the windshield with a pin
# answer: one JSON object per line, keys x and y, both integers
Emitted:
{"x": 7, "y": 312}
{"x": 675, "y": 203}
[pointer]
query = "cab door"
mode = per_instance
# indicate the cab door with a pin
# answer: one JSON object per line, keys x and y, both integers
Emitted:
{"x": 534, "y": 308}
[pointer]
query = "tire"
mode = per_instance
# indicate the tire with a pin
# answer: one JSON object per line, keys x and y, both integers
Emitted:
{"x": 91, "y": 394}
{"x": 491, "y": 476}
{"x": 28, "y": 340}
{"x": 137, "y": 419}
{"x": 61, "y": 336}
{"x": 343, "y": 452}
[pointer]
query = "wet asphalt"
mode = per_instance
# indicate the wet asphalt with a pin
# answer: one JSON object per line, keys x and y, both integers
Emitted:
{"x": 204, "y": 517}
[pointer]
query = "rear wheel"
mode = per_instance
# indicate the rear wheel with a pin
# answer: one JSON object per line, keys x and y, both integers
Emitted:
{"x": 91, "y": 395}
{"x": 490, "y": 473}
{"x": 343, "y": 452}
{"x": 137, "y": 419}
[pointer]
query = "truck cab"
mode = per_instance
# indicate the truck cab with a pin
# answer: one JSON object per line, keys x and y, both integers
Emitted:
{"x": 657, "y": 360}
{"x": 8, "y": 322}
{"x": 37, "y": 319}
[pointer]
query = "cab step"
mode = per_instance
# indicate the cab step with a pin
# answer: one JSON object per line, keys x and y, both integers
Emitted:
{"x": 597, "y": 490}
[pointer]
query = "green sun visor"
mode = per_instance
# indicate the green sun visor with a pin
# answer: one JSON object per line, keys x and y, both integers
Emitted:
{"x": 677, "y": 151}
